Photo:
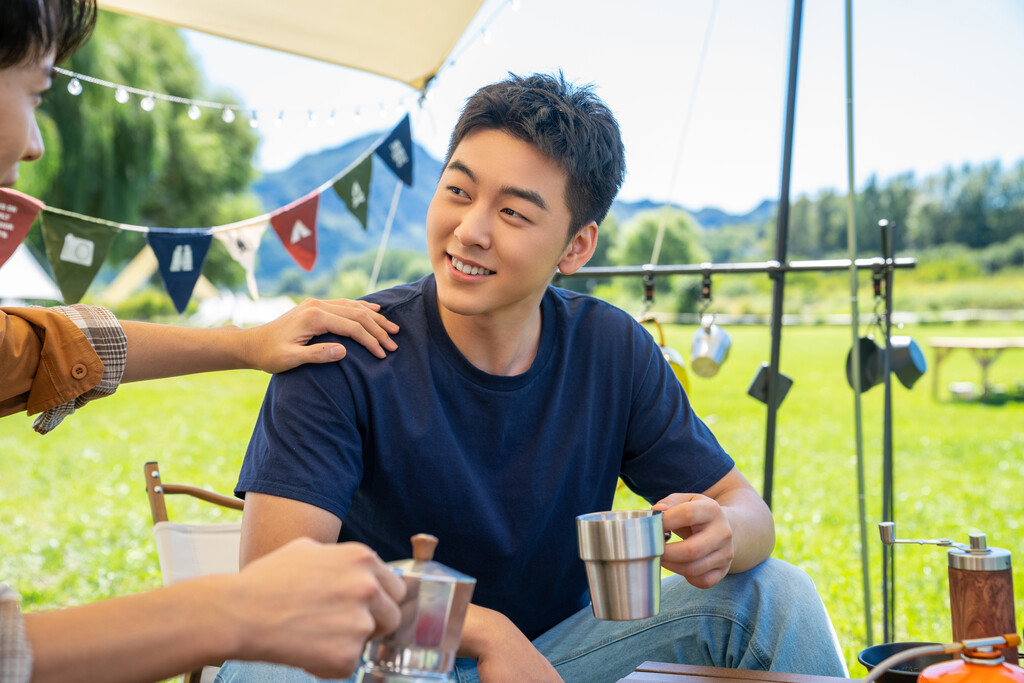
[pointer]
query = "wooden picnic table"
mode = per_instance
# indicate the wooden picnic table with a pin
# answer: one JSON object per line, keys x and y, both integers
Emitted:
{"x": 985, "y": 350}
{"x": 664, "y": 672}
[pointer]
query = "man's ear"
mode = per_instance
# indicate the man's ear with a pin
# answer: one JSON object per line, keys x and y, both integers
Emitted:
{"x": 579, "y": 250}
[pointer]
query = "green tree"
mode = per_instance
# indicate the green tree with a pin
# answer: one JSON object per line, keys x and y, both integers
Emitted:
{"x": 680, "y": 245}
{"x": 831, "y": 216}
{"x": 804, "y": 229}
{"x": 159, "y": 168}
{"x": 397, "y": 267}
{"x": 606, "y": 235}
{"x": 1007, "y": 214}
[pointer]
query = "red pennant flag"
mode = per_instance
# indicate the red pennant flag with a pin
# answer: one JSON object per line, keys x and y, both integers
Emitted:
{"x": 295, "y": 224}
{"x": 17, "y": 213}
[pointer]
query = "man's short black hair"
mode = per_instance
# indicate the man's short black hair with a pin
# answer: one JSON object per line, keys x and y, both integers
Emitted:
{"x": 32, "y": 29}
{"x": 570, "y": 124}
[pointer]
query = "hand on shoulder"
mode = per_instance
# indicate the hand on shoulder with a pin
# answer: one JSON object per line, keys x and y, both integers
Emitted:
{"x": 282, "y": 343}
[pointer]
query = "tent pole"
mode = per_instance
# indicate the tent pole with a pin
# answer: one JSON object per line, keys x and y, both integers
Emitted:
{"x": 851, "y": 243}
{"x": 781, "y": 241}
{"x": 372, "y": 285}
{"x": 888, "y": 514}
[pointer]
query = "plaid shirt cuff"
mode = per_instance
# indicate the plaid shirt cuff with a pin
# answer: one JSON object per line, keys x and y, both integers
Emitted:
{"x": 15, "y": 651}
{"x": 107, "y": 337}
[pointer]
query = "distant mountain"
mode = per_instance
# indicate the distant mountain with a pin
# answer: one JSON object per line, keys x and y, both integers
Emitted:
{"x": 709, "y": 218}
{"x": 340, "y": 235}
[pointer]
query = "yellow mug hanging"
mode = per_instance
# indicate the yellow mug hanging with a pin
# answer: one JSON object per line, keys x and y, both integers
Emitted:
{"x": 674, "y": 358}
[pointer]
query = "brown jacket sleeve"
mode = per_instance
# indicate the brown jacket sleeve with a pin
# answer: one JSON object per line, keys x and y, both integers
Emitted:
{"x": 45, "y": 360}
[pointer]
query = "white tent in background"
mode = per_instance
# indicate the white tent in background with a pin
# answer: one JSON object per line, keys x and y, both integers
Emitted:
{"x": 405, "y": 41}
{"x": 22, "y": 278}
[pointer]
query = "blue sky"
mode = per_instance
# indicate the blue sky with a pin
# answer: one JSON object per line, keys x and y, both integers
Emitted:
{"x": 936, "y": 83}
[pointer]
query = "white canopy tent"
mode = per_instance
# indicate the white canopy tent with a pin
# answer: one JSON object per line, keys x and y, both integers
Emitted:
{"x": 405, "y": 40}
{"x": 22, "y": 278}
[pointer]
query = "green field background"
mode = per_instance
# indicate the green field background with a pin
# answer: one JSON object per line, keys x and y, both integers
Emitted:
{"x": 75, "y": 523}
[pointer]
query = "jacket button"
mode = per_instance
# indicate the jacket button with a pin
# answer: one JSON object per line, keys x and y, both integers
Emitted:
{"x": 78, "y": 371}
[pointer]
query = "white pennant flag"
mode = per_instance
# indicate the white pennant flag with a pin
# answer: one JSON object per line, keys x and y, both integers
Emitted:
{"x": 243, "y": 243}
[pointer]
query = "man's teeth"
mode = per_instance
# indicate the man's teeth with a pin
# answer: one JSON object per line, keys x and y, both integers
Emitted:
{"x": 470, "y": 270}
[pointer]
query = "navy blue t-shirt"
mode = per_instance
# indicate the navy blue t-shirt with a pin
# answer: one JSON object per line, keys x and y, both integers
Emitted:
{"x": 496, "y": 467}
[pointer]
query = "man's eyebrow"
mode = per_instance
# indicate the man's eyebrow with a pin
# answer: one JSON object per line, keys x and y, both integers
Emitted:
{"x": 456, "y": 165}
{"x": 531, "y": 196}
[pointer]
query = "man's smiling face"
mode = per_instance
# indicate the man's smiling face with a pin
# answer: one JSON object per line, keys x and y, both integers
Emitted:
{"x": 497, "y": 226}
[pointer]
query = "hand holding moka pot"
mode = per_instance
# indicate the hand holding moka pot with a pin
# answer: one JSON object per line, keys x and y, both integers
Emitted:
{"x": 422, "y": 649}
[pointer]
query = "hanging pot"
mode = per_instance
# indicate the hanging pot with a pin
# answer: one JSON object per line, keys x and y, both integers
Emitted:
{"x": 872, "y": 360}
{"x": 908, "y": 360}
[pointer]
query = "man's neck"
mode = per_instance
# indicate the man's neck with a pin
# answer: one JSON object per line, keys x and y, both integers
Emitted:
{"x": 497, "y": 344}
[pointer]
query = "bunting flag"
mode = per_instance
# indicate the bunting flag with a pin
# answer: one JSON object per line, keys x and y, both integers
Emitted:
{"x": 295, "y": 224}
{"x": 17, "y": 213}
{"x": 354, "y": 189}
{"x": 77, "y": 245}
{"x": 396, "y": 151}
{"x": 76, "y": 249}
{"x": 242, "y": 244}
{"x": 180, "y": 255}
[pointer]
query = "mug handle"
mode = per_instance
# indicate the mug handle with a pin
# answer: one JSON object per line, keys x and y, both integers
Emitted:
{"x": 661, "y": 332}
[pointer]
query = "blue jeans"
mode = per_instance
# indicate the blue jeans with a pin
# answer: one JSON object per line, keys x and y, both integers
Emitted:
{"x": 769, "y": 618}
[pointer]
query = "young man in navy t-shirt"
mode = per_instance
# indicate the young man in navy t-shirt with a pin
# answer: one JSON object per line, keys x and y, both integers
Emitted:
{"x": 510, "y": 407}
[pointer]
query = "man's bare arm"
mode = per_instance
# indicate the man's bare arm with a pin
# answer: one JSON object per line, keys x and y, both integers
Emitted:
{"x": 156, "y": 351}
{"x": 307, "y": 604}
{"x": 270, "y": 522}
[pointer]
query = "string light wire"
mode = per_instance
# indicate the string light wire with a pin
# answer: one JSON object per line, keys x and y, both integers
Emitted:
{"x": 229, "y": 112}
{"x": 656, "y": 251}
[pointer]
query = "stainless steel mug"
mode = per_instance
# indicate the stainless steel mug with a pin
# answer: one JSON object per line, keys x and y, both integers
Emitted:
{"x": 710, "y": 347}
{"x": 622, "y": 550}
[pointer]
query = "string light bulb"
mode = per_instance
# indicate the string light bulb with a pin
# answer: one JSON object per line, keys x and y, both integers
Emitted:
{"x": 75, "y": 87}
{"x": 356, "y": 116}
{"x": 194, "y": 112}
{"x": 228, "y": 115}
{"x": 254, "y": 121}
{"x": 383, "y": 110}
{"x": 121, "y": 95}
{"x": 279, "y": 121}
{"x": 485, "y": 35}
{"x": 331, "y": 118}
{"x": 312, "y": 118}
{"x": 148, "y": 103}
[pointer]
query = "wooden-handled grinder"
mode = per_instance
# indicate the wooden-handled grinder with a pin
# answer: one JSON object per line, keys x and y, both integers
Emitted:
{"x": 980, "y": 586}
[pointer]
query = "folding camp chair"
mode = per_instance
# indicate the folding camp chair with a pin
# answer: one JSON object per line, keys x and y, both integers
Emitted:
{"x": 186, "y": 551}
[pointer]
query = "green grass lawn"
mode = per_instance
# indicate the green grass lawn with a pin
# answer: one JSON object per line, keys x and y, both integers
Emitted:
{"x": 76, "y": 527}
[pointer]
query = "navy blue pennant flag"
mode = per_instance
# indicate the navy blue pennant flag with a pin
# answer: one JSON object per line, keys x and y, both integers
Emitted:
{"x": 396, "y": 151}
{"x": 181, "y": 254}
